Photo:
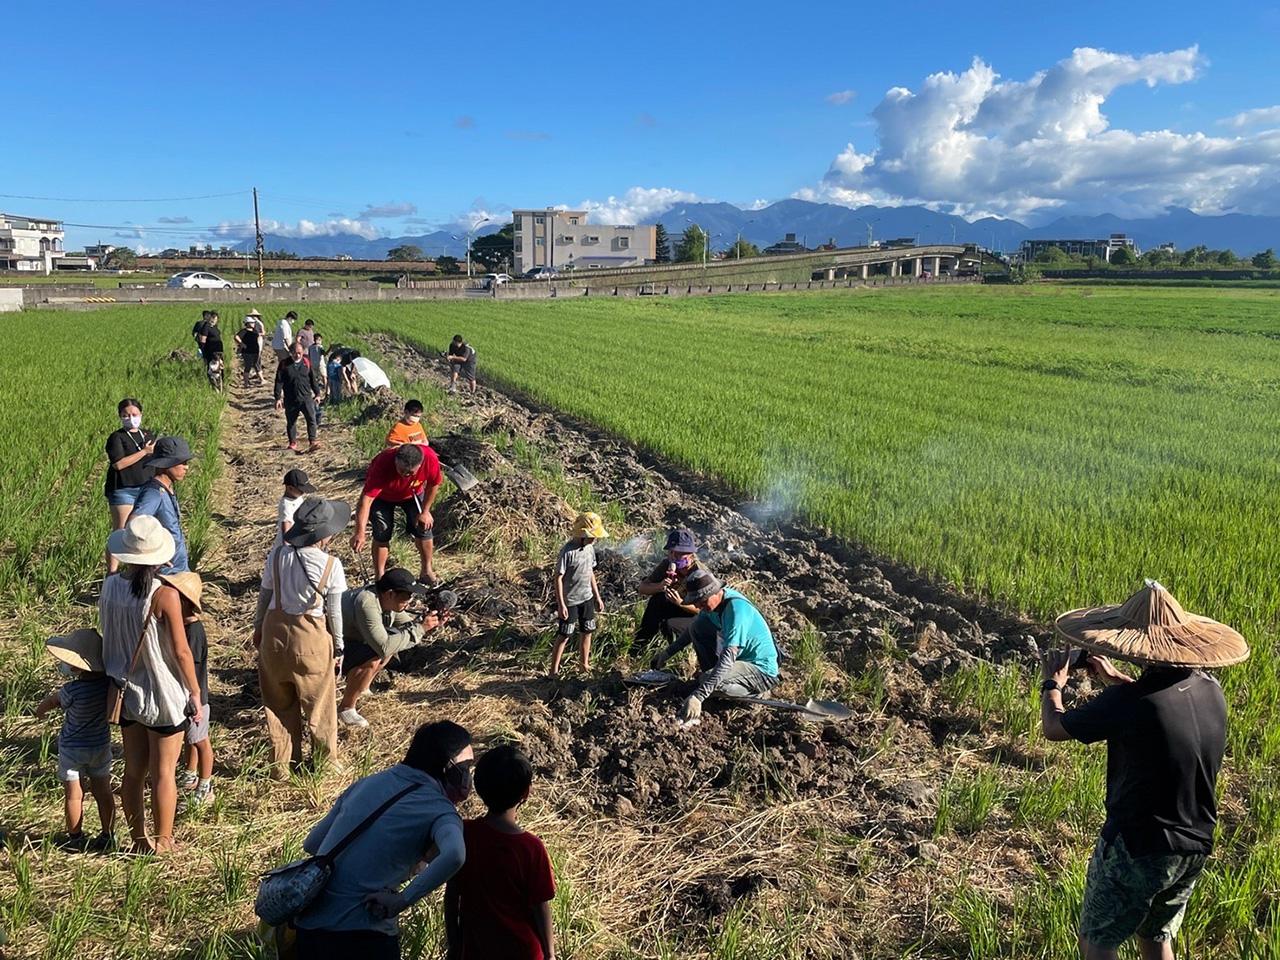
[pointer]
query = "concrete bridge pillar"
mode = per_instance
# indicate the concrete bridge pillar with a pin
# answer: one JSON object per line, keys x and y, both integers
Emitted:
{"x": 917, "y": 266}
{"x": 937, "y": 267}
{"x": 864, "y": 271}
{"x": 895, "y": 268}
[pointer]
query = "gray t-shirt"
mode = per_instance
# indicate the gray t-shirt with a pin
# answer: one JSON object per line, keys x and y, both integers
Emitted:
{"x": 576, "y": 564}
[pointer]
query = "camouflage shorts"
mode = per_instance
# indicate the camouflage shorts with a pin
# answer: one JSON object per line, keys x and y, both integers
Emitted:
{"x": 1124, "y": 895}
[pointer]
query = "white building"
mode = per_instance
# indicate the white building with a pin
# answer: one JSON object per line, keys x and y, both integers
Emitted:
{"x": 27, "y": 243}
{"x": 564, "y": 240}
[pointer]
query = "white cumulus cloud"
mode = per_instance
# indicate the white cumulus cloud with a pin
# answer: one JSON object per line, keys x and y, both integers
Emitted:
{"x": 972, "y": 142}
{"x": 636, "y": 204}
{"x": 1260, "y": 116}
{"x": 242, "y": 229}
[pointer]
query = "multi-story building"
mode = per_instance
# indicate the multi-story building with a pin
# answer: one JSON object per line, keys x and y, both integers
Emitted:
{"x": 564, "y": 240}
{"x": 789, "y": 244}
{"x": 1101, "y": 249}
{"x": 28, "y": 243}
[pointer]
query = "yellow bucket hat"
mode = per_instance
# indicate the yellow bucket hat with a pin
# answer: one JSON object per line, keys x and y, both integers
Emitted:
{"x": 589, "y": 525}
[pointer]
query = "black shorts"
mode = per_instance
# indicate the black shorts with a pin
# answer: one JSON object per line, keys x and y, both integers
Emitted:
{"x": 383, "y": 514}
{"x": 581, "y": 615}
{"x": 162, "y": 731}
{"x": 356, "y": 653}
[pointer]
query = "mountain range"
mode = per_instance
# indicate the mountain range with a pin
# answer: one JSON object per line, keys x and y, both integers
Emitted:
{"x": 815, "y": 223}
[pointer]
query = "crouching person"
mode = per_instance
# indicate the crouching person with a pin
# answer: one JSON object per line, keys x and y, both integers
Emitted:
{"x": 736, "y": 653}
{"x": 1166, "y": 732}
{"x": 376, "y": 627}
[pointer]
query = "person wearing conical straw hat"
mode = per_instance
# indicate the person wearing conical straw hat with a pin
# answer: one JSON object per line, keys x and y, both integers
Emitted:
{"x": 1166, "y": 734}
{"x": 84, "y": 743}
{"x": 145, "y": 653}
{"x": 577, "y": 592}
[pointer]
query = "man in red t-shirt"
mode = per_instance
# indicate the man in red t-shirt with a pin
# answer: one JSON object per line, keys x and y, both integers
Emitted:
{"x": 408, "y": 477}
{"x": 499, "y": 903}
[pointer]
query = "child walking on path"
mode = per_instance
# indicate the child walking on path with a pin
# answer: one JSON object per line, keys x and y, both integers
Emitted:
{"x": 499, "y": 903}
{"x": 577, "y": 593}
{"x": 296, "y": 487}
{"x": 197, "y": 778}
{"x": 408, "y": 429}
{"x": 84, "y": 744}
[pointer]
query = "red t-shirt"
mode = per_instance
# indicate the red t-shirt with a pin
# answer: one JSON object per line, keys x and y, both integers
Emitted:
{"x": 505, "y": 879}
{"x": 383, "y": 481}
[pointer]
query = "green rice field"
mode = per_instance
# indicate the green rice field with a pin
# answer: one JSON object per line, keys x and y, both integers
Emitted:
{"x": 1043, "y": 447}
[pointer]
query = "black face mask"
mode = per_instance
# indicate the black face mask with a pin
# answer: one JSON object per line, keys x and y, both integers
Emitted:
{"x": 457, "y": 780}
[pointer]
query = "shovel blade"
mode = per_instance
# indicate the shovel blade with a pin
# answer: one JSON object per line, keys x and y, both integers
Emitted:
{"x": 462, "y": 478}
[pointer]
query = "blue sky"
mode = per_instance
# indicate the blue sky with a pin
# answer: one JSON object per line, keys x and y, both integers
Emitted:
{"x": 391, "y": 118}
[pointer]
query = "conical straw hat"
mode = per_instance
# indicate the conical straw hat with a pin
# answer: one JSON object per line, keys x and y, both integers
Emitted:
{"x": 1152, "y": 627}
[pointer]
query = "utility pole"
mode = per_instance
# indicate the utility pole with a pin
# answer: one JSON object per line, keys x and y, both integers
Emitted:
{"x": 257, "y": 230}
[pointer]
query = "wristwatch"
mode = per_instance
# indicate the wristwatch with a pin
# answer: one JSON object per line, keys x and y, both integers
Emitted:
{"x": 1050, "y": 684}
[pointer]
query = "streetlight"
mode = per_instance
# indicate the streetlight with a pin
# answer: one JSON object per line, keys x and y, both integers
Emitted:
{"x": 869, "y": 223}
{"x": 738, "y": 245}
{"x": 470, "y": 234}
{"x": 704, "y": 243}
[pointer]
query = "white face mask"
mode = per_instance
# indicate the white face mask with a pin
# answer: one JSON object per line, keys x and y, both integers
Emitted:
{"x": 131, "y": 422}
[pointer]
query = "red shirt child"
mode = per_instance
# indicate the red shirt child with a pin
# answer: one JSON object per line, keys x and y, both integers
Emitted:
{"x": 499, "y": 903}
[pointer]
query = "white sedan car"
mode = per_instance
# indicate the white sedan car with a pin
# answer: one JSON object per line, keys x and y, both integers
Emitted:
{"x": 198, "y": 280}
{"x": 492, "y": 280}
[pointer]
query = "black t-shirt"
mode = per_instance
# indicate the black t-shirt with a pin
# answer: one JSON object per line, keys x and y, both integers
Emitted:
{"x": 250, "y": 341}
{"x": 462, "y": 350}
{"x": 213, "y": 341}
{"x": 1166, "y": 733}
{"x": 119, "y": 445}
{"x": 199, "y": 644}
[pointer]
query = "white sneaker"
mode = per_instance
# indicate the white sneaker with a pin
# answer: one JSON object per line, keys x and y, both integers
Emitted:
{"x": 350, "y": 718}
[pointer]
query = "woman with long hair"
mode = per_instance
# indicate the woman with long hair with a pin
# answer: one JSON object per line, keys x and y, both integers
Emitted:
{"x": 145, "y": 653}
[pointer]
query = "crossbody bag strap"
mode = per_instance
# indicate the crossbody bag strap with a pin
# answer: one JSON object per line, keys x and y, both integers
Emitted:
{"x": 365, "y": 824}
{"x": 276, "y": 601}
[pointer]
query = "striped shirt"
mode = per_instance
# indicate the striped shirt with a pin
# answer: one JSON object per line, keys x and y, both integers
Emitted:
{"x": 84, "y": 718}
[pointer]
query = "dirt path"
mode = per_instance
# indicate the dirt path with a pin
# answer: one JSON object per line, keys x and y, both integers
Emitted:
{"x": 657, "y": 832}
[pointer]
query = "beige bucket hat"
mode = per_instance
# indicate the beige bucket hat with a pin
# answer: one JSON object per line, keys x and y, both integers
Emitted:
{"x": 188, "y": 584}
{"x": 1151, "y": 627}
{"x": 143, "y": 541}
{"x": 81, "y": 649}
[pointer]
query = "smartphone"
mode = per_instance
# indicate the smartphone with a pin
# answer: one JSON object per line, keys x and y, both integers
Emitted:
{"x": 1077, "y": 657}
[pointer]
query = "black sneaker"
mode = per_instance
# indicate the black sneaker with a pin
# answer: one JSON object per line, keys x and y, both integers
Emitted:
{"x": 104, "y": 843}
{"x": 74, "y": 842}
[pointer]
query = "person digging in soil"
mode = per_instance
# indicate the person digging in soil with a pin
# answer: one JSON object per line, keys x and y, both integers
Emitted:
{"x": 1166, "y": 732}
{"x": 298, "y": 658}
{"x": 577, "y": 592}
{"x": 665, "y": 612}
{"x": 736, "y": 653}
{"x": 376, "y": 628}
{"x": 408, "y": 477}
{"x": 297, "y": 391}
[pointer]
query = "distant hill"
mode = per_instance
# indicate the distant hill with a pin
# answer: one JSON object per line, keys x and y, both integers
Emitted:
{"x": 815, "y": 223}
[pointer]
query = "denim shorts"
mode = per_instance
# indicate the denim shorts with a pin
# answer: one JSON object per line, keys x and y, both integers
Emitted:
{"x": 1126, "y": 895}
{"x": 124, "y": 496}
{"x": 77, "y": 762}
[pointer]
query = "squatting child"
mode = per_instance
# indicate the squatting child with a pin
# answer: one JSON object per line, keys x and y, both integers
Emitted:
{"x": 84, "y": 743}
{"x": 408, "y": 429}
{"x": 499, "y": 903}
{"x": 577, "y": 593}
{"x": 197, "y": 778}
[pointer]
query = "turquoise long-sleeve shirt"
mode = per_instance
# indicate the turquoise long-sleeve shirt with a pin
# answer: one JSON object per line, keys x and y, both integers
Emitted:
{"x": 741, "y": 625}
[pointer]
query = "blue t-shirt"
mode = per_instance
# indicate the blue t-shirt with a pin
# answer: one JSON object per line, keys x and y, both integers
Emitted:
{"x": 742, "y": 626}
{"x": 156, "y": 500}
{"x": 84, "y": 717}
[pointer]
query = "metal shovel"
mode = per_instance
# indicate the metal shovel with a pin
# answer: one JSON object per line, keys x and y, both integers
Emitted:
{"x": 462, "y": 478}
{"x": 809, "y": 710}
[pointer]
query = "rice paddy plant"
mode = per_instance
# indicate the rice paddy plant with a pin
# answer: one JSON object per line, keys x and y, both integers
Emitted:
{"x": 808, "y": 661}
{"x": 967, "y": 800}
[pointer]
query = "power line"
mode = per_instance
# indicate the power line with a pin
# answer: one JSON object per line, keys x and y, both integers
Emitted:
{"x": 207, "y": 196}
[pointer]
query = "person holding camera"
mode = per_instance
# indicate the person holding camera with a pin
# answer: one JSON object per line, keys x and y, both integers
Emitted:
{"x": 378, "y": 625}
{"x": 1166, "y": 733}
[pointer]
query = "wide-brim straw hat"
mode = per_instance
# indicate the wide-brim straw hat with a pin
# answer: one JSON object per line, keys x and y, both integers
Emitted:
{"x": 188, "y": 584}
{"x": 143, "y": 541}
{"x": 1151, "y": 627}
{"x": 81, "y": 649}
